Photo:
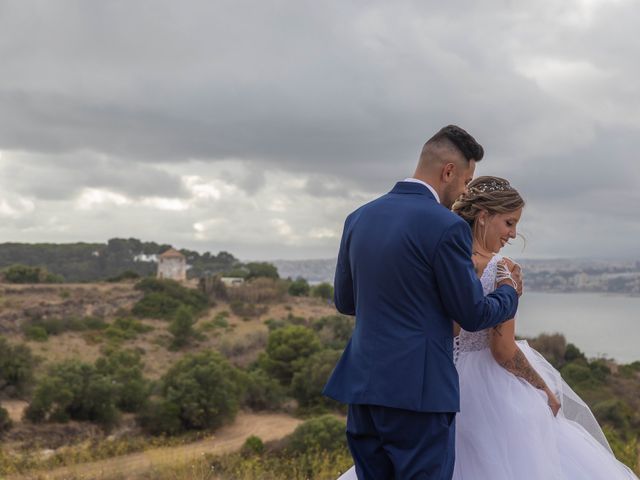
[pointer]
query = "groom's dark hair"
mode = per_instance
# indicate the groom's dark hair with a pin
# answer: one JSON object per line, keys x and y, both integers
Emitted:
{"x": 460, "y": 139}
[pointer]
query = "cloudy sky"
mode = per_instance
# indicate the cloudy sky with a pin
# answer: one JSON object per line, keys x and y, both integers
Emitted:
{"x": 256, "y": 126}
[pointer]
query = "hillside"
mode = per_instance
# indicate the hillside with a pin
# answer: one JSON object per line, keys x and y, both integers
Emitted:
{"x": 276, "y": 343}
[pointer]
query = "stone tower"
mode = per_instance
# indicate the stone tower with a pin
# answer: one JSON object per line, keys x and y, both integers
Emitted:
{"x": 172, "y": 265}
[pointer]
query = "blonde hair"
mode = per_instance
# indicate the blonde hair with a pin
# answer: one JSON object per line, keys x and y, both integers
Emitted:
{"x": 493, "y": 195}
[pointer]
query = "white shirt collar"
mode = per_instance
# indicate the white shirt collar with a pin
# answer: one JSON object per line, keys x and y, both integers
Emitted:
{"x": 433, "y": 190}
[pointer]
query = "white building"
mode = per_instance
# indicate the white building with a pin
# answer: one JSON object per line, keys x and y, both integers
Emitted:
{"x": 232, "y": 281}
{"x": 172, "y": 265}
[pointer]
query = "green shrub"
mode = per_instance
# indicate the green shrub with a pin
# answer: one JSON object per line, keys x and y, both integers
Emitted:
{"x": 308, "y": 382}
{"x": 580, "y": 376}
{"x": 324, "y": 433}
{"x": 27, "y": 274}
{"x": 614, "y": 412}
{"x": 323, "y": 290}
{"x": 125, "y": 328}
{"x": 16, "y": 369}
{"x": 36, "y": 333}
{"x": 161, "y": 417}
{"x": 261, "y": 270}
{"x": 74, "y": 390}
{"x": 181, "y": 327}
{"x": 220, "y": 320}
{"x": 94, "y": 323}
{"x": 599, "y": 370}
{"x": 262, "y": 392}
{"x": 22, "y": 274}
{"x": 203, "y": 390}
{"x": 156, "y": 305}
{"x": 630, "y": 370}
{"x": 287, "y": 349}
{"x": 57, "y": 326}
{"x": 162, "y": 298}
{"x": 253, "y": 446}
{"x": 125, "y": 370}
{"x": 625, "y": 450}
{"x": 274, "y": 324}
{"x": 299, "y": 288}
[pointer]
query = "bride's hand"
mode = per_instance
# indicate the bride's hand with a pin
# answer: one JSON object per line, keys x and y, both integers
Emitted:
{"x": 510, "y": 273}
{"x": 553, "y": 402}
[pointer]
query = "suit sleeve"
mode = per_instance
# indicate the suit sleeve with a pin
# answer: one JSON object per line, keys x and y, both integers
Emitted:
{"x": 461, "y": 291}
{"x": 343, "y": 283}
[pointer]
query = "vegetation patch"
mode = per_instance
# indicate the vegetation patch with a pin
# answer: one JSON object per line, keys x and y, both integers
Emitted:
{"x": 163, "y": 298}
{"x": 39, "y": 329}
{"x": 26, "y": 274}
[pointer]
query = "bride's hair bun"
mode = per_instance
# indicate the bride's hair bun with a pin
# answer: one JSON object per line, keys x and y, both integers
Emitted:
{"x": 491, "y": 194}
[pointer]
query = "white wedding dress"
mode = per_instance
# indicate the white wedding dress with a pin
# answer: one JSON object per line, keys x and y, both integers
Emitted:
{"x": 506, "y": 431}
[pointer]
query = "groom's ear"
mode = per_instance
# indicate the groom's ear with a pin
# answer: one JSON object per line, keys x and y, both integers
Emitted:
{"x": 448, "y": 172}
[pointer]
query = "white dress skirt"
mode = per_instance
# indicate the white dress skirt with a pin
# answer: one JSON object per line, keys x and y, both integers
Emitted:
{"x": 505, "y": 429}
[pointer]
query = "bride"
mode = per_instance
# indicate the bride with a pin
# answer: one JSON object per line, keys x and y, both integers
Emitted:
{"x": 518, "y": 419}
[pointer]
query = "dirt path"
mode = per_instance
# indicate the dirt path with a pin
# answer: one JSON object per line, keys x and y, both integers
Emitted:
{"x": 227, "y": 439}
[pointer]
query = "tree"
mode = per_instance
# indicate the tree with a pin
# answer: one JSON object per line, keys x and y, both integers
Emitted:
{"x": 25, "y": 274}
{"x": 205, "y": 388}
{"x": 181, "y": 327}
{"x": 286, "y": 349}
{"x": 261, "y": 269}
{"x": 299, "y": 288}
{"x": 125, "y": 369}
{"x": 16, "y": 368}
{"x": 308, "y": 382}
{"x": 573, "y": 353}
{"x": 74, "y": 390}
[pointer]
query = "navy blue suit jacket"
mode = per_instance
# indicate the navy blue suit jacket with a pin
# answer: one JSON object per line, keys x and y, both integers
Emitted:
{"x": 405, "y": 271}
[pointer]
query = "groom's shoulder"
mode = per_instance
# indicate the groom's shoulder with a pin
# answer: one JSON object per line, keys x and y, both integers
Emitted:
{"x": 449, "y": 225}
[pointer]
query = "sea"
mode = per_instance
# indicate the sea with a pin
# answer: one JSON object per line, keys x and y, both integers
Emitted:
{"x": 601, "y": 325}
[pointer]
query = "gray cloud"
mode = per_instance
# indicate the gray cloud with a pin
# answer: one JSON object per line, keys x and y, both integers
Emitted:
{"x": 134, "y": 97}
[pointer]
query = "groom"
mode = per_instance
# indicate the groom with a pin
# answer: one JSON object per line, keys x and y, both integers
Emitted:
{"x": 405, "y": 271}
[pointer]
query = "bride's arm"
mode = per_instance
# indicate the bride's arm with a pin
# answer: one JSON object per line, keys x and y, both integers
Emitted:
{"x": 506, "y": 352}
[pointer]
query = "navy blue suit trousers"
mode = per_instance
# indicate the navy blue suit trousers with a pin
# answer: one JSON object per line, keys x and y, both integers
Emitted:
{"x": 389, "y": 443}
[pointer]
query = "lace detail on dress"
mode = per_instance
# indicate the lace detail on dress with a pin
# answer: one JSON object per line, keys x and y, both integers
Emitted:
{"x": 474, "y": 341}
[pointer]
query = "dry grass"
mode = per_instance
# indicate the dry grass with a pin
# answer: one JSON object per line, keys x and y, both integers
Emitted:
{"x": 180, "y": 459}
{"x": 245, "y": 337}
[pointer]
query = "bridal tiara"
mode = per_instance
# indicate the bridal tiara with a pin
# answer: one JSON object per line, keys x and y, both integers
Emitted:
{"x": 490, "y": 187}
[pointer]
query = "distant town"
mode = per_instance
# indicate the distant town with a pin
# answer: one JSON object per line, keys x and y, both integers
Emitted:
{"x": 555, "y": 275}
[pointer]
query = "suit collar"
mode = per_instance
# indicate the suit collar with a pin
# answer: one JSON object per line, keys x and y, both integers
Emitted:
{"x": 412, "y": 188}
